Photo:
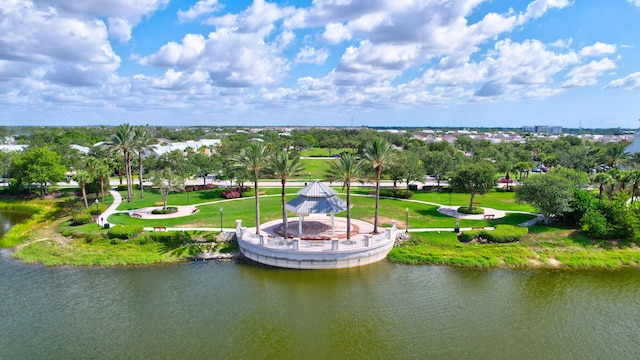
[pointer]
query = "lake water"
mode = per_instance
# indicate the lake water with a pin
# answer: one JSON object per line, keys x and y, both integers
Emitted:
{"x": 381, "y": 311}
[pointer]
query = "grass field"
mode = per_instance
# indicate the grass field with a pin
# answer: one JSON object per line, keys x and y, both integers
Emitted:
{"x": 323, "y": 152}
{"x": 420, "y": 215}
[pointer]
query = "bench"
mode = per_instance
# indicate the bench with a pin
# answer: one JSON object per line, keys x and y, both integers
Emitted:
{"x": 159, "y": 203}
{"x": 194, "y": 211}
{"x": 159, "y": 228}
{"x": 136, "y": 215}
{"x": 475, "y": 204}
{"x": 489, "y": 216}
{"x": 477, "y": 228}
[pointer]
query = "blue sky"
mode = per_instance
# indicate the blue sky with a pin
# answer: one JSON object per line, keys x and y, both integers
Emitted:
{"x": 323, "y": 62}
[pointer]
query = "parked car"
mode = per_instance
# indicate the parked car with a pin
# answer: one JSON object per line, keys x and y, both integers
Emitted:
{"x": 504, "y": 181}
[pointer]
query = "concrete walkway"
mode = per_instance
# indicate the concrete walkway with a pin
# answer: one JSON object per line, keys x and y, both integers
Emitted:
{"x": 145, "y": 213}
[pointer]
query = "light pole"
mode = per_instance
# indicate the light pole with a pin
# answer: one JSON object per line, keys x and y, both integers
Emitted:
{"x": 220, "y": 219}
{"x": 97, "y": 212}
{"x": 407, "y": 220}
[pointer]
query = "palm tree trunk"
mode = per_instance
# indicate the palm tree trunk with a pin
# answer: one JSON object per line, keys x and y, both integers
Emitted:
{"x": 102, "y": 187}
{"x": 284, "y": 210}
{"x": 140, "y": 175}
{"x": 129, "y": 177}
{"x": 255, "y": 183}
{"x": 348, "y": 211}
{"x": 375, "y": 219}
{"x": 84, "y": 194}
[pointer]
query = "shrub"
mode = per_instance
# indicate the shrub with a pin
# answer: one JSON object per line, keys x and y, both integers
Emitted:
{"x": 230, "y": 194}
{"x": 101, "y": 208}
{"x": 396, "y": 193}
{"x": 595, "y": 224}
{"x": 168, "y": 210}
{"x": 200, "y": 187}
{"x": 124, "y": 232}
{"x": 502, "y": 234}
{"x": 506, "y": 234}
{"x": 472, "y": 211}
{"x": 81, "y": 218}
{"x": 170, "y": 238}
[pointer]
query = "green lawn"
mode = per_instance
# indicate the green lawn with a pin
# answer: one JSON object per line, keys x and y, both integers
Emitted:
{"x": 315, "y": 169}
{"x": 322, "y": 152}
{"x": 445, "y": 249}
{"x": 493, "y": 199}
{"x": 545, "y": 246}
{"x": 420, "y": 215}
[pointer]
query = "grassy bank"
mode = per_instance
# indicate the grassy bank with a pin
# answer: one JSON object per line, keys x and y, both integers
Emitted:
{"x": 87, "y": 245}
{"x": 42, "y": 212}
{"x": 543, "y": 247}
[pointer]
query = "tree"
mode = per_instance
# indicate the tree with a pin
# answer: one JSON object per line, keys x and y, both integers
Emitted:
{"x": 634, "y": 178}
{"x": 205, "y": 164}
{"x": 615, "y": 154}
{"x": 438, "y": 164}
{"x": 602, "y": 179}
{"x": 347, "y": 170}
{"x": 166, "y": 181}
{"x": 283, "y": 168}
{"x": 83, "y": 177}
{"x": 551, "y": 194}
{"x": 474, "y": 179}
{"x": 123, "y": 140}
{"x": 379, "y": 154}
{"x": 38, "y": 165}
{"x": 253, "y": 159}
{"x": 142, "y": 140}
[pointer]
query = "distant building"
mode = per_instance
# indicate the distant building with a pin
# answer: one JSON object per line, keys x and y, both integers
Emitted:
{"x": 634, "y": 148}
{"x": 543, "y": 129}
{"x": 555, "y": 130}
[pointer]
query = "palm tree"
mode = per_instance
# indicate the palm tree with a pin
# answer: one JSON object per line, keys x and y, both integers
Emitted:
{"x": 601, "y": 179}
{"x": 99, "y": 170}
{"x": 83, "y": 177}
{"x": 379, "y": 153}
{"x": 253, "y": 159}
{"x": 616, "y": 154}
{"x": 123, "y": 140}
{"x": 347, "y": 169}
{"x": 283, "y": 168}
{"x": 634, "y": 178}
{"x": 142, "y": 141}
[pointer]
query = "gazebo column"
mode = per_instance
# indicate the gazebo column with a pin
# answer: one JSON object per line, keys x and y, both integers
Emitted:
{"x": 333, "y": 226}
{"x": 300, "y": 221}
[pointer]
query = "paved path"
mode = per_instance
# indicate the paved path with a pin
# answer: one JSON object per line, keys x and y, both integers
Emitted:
{"x": 188, "y": 210}
{"x": 117, "y": 200}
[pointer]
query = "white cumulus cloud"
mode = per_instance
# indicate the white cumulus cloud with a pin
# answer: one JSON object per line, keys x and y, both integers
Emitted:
{"x": 598, "y": 49}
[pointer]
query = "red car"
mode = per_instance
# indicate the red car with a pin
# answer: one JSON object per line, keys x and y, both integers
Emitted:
{"x": 504, "y": 181}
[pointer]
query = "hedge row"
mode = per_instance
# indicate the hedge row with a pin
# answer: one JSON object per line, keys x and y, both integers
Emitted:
{"x": 397, "y": 193}
{"x": 502, "y": 234}
{"x": 124, "y": 232}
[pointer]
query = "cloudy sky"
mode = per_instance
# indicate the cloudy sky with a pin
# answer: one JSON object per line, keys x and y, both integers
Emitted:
{"x": 320, "y": 62}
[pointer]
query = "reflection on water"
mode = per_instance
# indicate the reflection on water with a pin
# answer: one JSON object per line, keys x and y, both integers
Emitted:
{"x": 10, "y": 218}
{"x": 230, "y": 310}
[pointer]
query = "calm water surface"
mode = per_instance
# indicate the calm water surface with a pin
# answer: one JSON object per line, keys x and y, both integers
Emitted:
{"x": 382, "y": 311}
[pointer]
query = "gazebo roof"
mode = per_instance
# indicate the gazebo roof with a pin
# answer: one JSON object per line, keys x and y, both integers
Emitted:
{"x": 317, "y": 190}
{"x": 317, "y": 198}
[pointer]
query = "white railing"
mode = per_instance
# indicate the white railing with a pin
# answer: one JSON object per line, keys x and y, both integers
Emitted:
{"x": 315, "y": 245}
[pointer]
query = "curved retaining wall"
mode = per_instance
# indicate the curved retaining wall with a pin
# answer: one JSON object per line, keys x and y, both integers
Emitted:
{"x": 289, "y": 254}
